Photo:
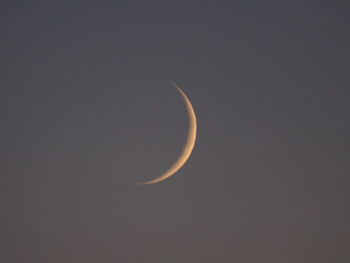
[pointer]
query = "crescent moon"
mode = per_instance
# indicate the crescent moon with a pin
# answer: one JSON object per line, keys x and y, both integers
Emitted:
{"x": 190, "y": 142}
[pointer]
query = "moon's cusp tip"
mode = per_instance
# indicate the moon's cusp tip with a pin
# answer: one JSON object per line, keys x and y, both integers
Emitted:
{"x": 176, "y": 86}
{"x": 144, "y": 183}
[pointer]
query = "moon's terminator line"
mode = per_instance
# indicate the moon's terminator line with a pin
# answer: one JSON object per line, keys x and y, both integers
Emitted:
{"x": 187, "y": 150}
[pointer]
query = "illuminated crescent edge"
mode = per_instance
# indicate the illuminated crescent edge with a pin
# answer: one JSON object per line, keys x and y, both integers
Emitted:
{"x": 187, "y": 150}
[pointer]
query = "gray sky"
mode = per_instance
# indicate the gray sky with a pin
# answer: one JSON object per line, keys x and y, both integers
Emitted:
{"x": 87, "y": 110}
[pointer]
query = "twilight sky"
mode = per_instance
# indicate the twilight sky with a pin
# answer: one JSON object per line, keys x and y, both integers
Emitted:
{"x": 87, "y": 110}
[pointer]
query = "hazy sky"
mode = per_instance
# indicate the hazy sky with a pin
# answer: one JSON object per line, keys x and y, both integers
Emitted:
{"x": 87, "y": 110}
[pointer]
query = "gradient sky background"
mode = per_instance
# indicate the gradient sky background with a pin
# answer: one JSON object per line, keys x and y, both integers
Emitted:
{"x": 87, "y": 110}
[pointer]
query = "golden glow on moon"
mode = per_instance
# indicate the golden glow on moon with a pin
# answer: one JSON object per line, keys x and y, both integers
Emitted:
{"x": 187, "y": 150}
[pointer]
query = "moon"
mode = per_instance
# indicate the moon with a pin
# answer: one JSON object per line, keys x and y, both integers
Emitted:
{"x": 190, "y": 142}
